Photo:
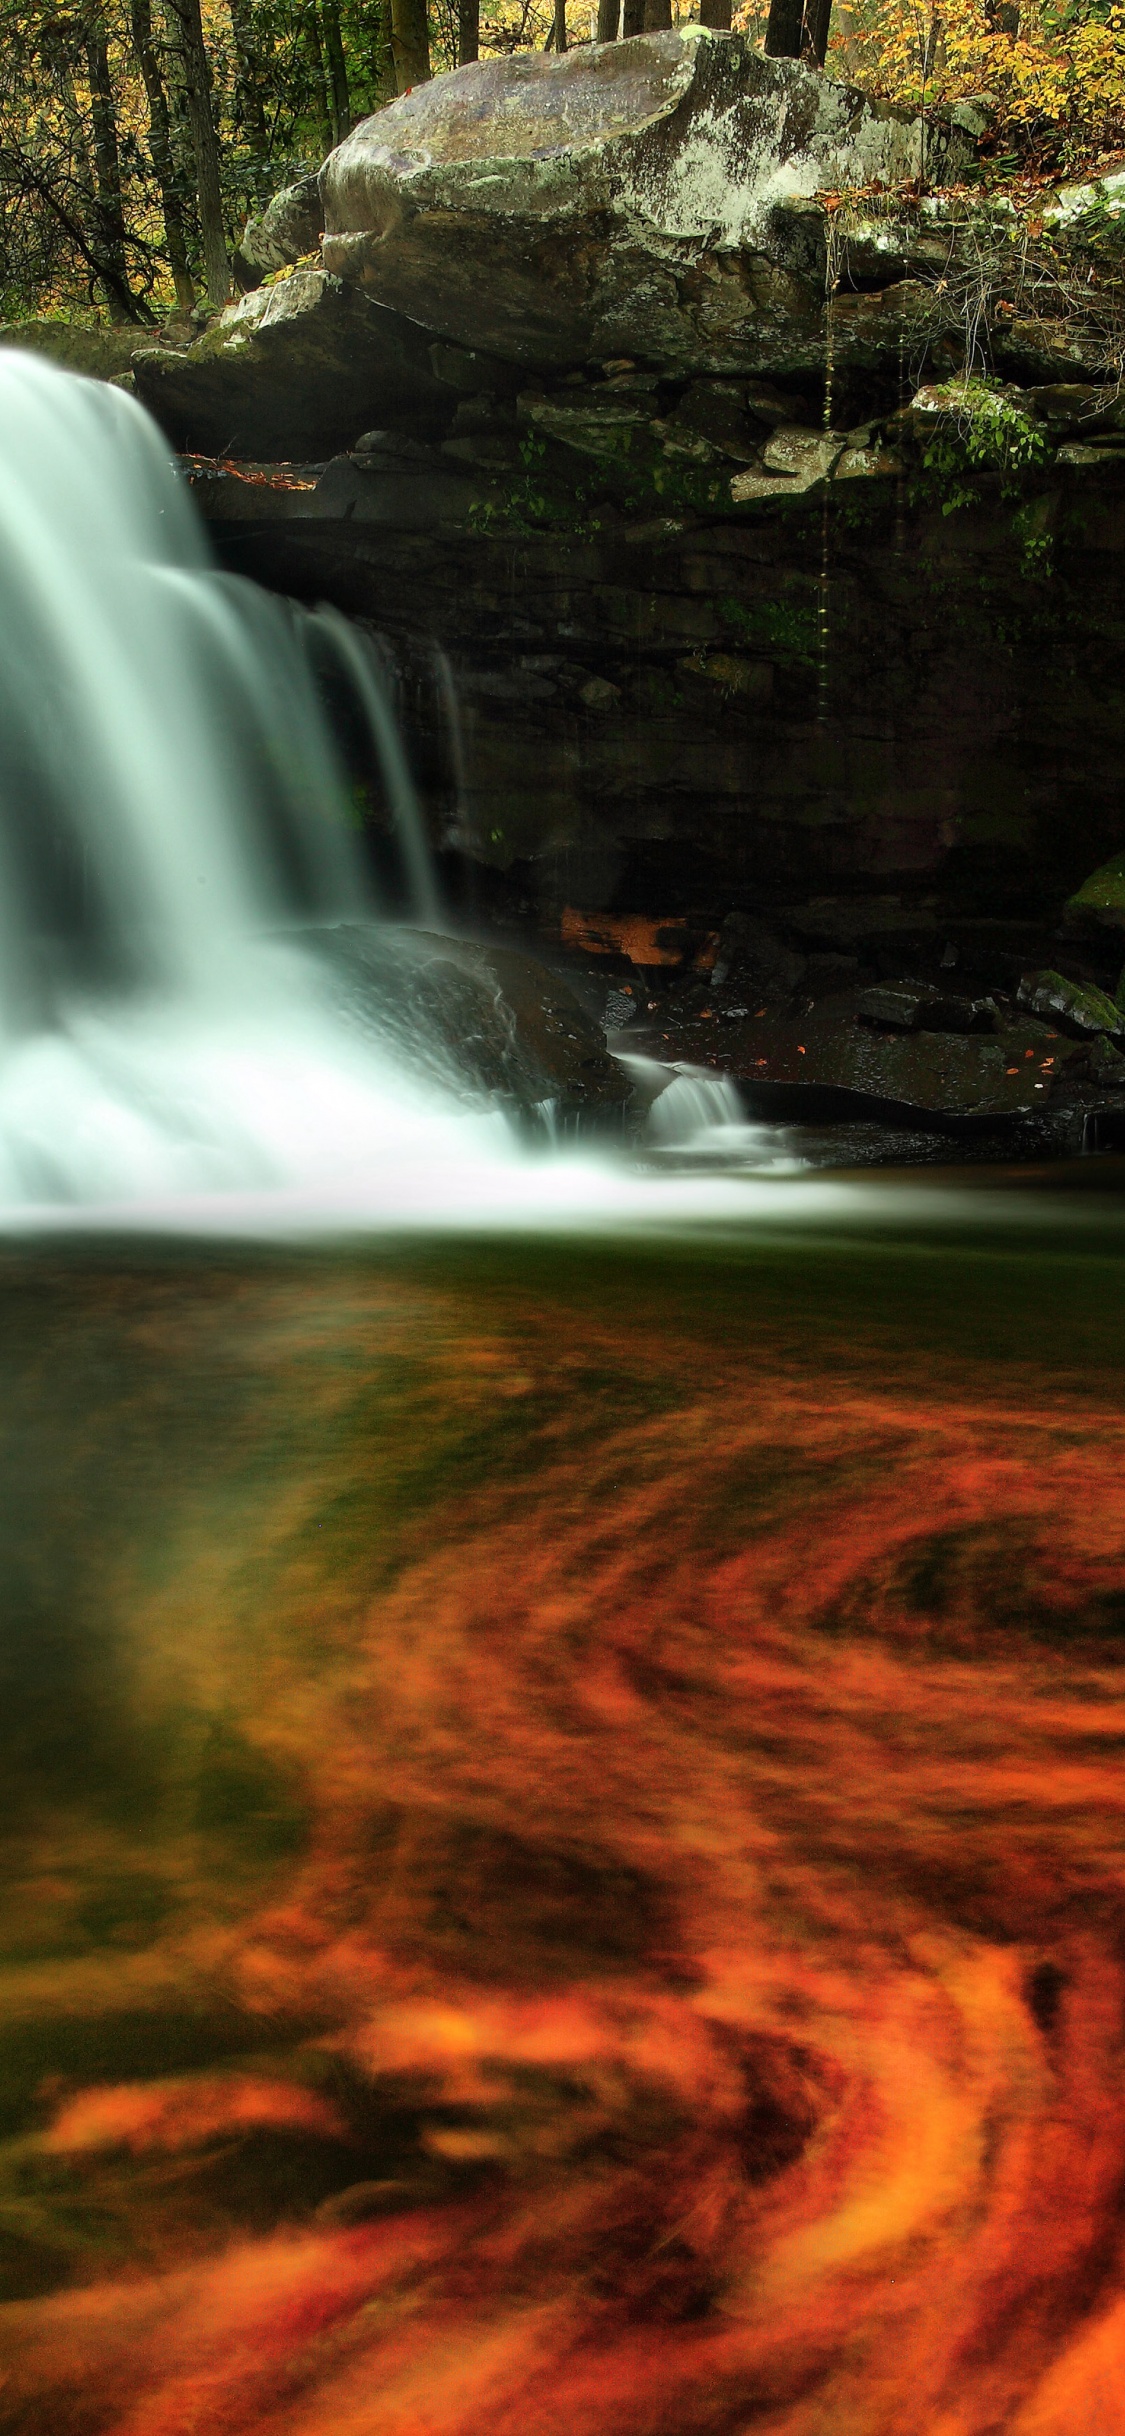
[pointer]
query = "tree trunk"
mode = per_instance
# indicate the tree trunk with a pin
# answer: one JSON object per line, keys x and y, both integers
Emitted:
{"x": 410, "y": 41}
{"x": 315, "y": 54}
{"x": 632, "y": 19}
{"x": 716, "y": 14}
{"x": 658, "y": 16}
{"x": 560, "y": 25}
{"x": 468, "y": 32}
{"x": 817, "y": 16}
{"x": 160, "y": 146}
{"x": 337, "y": 70}
{"x": 248, "y": 78}
{"x": 783, "y": 31}
{"x": 197, "y": 93}
{"x": 108, "y": 207}
{"x": 609, "y": 12}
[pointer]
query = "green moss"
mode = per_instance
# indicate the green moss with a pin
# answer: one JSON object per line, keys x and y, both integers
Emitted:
{"x": 1103, "y": 893}
{"x": 786, "y": 629}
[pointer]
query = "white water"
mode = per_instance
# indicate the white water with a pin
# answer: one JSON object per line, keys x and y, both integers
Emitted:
{"x": 171, "y": 808}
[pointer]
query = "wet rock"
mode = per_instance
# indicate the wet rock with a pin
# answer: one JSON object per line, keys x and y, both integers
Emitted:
{"x": 624, "y": 200}
{"x": 1078, "y": 1005}
{"x": 292, "y": 371}
{"x": 489, "y": 1023}
{"x": 289, "y": 227}
{"x": 830, "y": 1049}
{"x": 905, "y": 1007}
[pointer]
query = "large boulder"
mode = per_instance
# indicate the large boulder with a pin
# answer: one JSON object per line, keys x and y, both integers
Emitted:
{"x": 486, "y": 1022}
{"x": 653, "y": 198}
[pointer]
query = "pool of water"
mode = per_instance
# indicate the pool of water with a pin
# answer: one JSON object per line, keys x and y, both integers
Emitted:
{"x": 564, "y": 1827}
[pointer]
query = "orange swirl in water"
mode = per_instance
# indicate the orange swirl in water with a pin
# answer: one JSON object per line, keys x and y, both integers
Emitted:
{"x": 718, "y": 1857}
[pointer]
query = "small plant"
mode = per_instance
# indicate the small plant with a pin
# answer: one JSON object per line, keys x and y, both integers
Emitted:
{"x": 983, "y": 431}
{"x": 786, "y": 629}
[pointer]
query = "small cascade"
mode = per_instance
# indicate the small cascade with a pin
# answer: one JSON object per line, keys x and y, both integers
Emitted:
{"x": 447, "y": 694}
{"x": 692, "y": 1105}
{"x": 693, "y": 1114}
{"x": 373, "y": 689}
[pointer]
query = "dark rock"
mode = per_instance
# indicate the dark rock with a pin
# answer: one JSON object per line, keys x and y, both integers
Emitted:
{"x": 717, "y": 412}
{"x": 623, "y": 200}
{"x": 826, "y": 976}
{"x": 292, "y": 371}
{"x": 489, "y": 1023}
{"x": 830, "y": 1049}
{"x": 906, "y": 1007}
{"x": 753, "y": 963}
{"x": 288, "y": 228}
{"x": 407, "y": 495}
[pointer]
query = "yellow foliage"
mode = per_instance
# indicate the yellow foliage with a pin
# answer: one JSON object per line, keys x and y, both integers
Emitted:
{"x": 1051, "y": 82}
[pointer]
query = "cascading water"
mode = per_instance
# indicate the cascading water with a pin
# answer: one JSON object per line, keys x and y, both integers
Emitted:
{"x": 170, "y": 800}
{"x": 172, "y": 810}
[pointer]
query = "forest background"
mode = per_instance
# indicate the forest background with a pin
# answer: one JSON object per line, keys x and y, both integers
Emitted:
{"x": 137, "y": 136}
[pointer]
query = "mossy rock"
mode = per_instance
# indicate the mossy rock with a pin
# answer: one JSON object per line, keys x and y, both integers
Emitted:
{"x": 1103, "y": 894}
{"x": 101, "y": 351}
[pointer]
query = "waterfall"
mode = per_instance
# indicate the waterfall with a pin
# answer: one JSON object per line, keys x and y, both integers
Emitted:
{"x": 172, "y": 805}
{"x": 174, "y": 816}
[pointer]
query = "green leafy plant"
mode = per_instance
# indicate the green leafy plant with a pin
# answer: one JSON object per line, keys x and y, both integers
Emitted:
{"x": 983, "y": 431}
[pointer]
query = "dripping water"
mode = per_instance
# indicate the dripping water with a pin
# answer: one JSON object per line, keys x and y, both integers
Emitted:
{"x": 832, "y": 267}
